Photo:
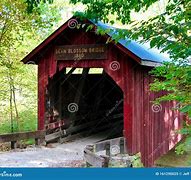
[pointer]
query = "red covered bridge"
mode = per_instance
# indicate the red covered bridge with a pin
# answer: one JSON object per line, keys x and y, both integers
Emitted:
{"x": 113, "y": 98}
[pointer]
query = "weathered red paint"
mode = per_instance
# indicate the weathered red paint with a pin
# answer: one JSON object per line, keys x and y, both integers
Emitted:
{"x": 146, "y": 131}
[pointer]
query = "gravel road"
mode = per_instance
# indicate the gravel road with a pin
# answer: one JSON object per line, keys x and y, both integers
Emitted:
{"x": 69, "y": 154}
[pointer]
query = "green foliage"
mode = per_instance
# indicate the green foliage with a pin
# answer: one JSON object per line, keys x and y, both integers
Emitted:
{"x": 20, "y": 32}
{"x": 136, "y": 162}
{"x": 184, "y": 147}
{"x": 27, "y": 122}
{"x": 169, "y": 30}
{"x": 186, "y": 144}
{"x": 100, "y": 10}
{"x": 176, "y": 80}
{"x": 32, "y": 4}
{"x": 180, "y": 149}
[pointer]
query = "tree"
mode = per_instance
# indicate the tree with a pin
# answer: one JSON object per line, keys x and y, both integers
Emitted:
{"x": 20, "y": 31}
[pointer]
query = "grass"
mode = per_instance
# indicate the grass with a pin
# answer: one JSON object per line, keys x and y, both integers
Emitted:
{"x": 27, "y": 122}
{"x": 171, "y": 159}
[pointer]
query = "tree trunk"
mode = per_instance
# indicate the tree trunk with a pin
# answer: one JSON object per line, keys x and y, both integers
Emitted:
{"x": 15, "y": 106}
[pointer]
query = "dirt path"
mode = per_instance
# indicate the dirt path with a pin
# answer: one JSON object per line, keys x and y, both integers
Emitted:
{"x": 60, "y": 155}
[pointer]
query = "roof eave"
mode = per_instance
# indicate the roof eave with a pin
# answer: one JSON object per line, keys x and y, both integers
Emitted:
{"x": 150, "y": 63}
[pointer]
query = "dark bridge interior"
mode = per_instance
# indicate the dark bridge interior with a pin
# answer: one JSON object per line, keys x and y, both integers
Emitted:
{"x": 88, "y": 103}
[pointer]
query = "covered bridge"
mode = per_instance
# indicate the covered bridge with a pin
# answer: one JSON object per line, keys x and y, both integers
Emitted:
{"x": 114, "y": 97}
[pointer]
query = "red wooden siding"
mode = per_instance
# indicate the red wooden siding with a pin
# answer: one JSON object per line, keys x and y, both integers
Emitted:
{"x": 146, "y": 131}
